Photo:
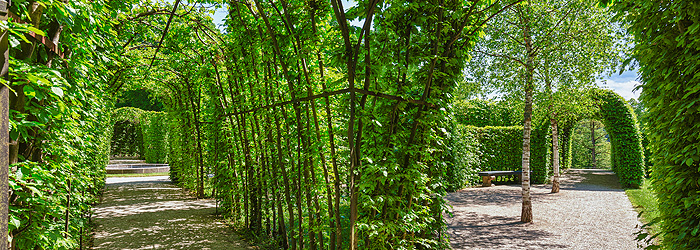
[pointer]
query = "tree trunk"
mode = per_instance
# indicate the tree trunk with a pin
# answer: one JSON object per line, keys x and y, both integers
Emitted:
{"x": 593, "y": 142}
{"x": 555, "y": 157}
{"x": 526, "y": 215}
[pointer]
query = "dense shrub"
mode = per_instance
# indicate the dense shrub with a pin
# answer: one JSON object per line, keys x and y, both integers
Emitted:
{"x": 667, "y": 37}
{"x": 462, "y": 170}
{"x": 540, "y": 153}
{"x": 481, "y": 113}
{"x": 154, "y": 126}
{"x": 127, "y": 139}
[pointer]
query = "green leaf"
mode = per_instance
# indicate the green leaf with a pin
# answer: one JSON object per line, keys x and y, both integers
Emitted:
{"x": 29, "y": 91}
{"x": 14, "y": 222}
{"x": 58, "y": 91}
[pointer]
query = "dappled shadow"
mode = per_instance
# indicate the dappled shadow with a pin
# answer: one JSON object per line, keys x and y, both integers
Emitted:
{"x": 590, "y": 180}
{"x": 472, "y": 230}
{"x": 590, "y": 212}
{"x": 159, "y": 216}
{"x": 502, "y": 195}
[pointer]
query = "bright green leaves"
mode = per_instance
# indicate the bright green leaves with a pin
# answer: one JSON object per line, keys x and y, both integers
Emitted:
{"x": 666, "y": 50}
{"x": 30, "y": 92}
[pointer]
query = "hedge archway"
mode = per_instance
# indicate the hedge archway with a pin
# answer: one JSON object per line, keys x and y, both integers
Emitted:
{"x": 144, "y": 133}
{"x": 627, "y": 153}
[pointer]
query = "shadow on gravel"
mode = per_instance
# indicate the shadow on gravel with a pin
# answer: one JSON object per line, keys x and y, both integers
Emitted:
{"x": 491, "y": 197}
{"x": 590, "y": 180}
{"x": 496, "y": 232}
{"x": 159, "y": 216}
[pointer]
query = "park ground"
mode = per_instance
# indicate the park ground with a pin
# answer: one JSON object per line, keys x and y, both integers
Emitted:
{"x": 591, "y": 211}
{"x": 152, "y": 213}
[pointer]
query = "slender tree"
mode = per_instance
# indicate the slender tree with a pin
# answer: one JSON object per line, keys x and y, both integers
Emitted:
{"x": 538, "y": 47}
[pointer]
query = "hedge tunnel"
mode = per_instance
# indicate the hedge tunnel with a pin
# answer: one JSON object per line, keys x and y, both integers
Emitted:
{"x": 139, "y": 133}
{"x": 627, "y": 153}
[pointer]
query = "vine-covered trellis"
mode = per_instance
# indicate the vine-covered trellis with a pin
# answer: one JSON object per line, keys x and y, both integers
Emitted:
{"x": 316, "y": 132}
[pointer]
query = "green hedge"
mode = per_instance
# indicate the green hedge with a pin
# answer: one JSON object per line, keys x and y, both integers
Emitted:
{"x": 491, "y": 148}
{"x": 482, "y": 113}
{"x": 140, "y": 133}
{"x": 667, "y": 37}
{"x": 627, "y": 153}
{"x": 540, "y": 153}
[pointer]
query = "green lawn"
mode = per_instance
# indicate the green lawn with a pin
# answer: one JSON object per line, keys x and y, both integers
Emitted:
{"x": 644, "y": 201}
{"x": 138, "y": 175}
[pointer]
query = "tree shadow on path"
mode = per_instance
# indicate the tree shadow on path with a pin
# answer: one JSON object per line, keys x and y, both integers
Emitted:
{"x": 590, "y": 212}
{"x": 159, "y": 215}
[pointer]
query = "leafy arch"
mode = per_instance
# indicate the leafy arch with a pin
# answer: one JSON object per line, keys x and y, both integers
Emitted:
{"x": 627, "y": 153}
{"x": 142, "y": 132}
{"x": 126, "y": 134}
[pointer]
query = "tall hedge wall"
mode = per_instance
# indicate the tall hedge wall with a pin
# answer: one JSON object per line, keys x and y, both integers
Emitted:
{"x": 667, "y": 37}
{"x": 491, "y": 148}
{"x": 140, "y": 133}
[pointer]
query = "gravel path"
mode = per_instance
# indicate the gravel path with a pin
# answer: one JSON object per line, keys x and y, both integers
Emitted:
{"x": 590, "y": 212}
{"x": 152, "y": 213}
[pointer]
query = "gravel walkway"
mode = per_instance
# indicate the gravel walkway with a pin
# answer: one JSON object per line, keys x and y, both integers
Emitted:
{"x": 590, "y": 212}
{"x": 152, "y": 213}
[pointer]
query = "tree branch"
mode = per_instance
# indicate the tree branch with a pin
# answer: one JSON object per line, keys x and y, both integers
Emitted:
{"x": 501, "y": 56}
{"x": 165, "y": 32}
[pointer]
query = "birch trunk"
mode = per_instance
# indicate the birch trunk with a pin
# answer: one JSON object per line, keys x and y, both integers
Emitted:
{"x": 526, "y": 214}
{"x": 555, "y": 157}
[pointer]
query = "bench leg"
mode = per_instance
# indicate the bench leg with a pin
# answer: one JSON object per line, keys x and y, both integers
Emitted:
{"x": 486, "y": 181}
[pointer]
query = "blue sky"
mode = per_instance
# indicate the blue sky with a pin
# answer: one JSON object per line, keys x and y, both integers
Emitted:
{"x": 622, "y": 84}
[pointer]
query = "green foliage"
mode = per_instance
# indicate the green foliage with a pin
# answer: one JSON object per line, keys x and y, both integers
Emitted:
{"x": 667, "y": 35}
{"x": 481, "y": 113}
{"x": 644, "y": 200}
{"x": 139, "y": 98}
{"x": 540, "y": 152}
{"x": 493, "y": 148}
{"x": 140, "y": 133}
{"x": 59, "y": 132}
{"x": 127, "y": 139}
{"x": 466, "y": 162}
{"x": 627, "y": 154}
{"x": 154, "y": 127}
{"x": 582, "y": 145}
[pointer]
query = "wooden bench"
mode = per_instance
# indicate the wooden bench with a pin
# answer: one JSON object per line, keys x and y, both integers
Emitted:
{"x": 488, "y": 176}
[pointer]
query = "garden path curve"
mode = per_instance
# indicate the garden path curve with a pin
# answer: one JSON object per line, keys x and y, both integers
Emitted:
{"x": 152, "y": 213}
{"x": 590, "y": 212}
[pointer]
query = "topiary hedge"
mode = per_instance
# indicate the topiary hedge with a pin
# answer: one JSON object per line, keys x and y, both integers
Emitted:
{"x": 492, "y": 148}
{"x": 627, "y": 153}
{"x": 482, "y": 113}
{"x": 140, "y": 133}
{"x": 667, "y": 36}
{"x": 540, "y": 153}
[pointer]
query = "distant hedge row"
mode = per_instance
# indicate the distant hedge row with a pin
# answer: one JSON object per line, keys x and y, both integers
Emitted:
{"x": 491, "y": 148}
{"x": 140, "y": 133}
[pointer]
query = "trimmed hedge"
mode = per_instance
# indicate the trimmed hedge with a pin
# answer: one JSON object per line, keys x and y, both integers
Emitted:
{"x": 492, "y": 148}
{"x": 482, "y": 113}
{"x": 667, "y": 36}
{"x": 140, "y": 133}
{"x": 627, "y": 153}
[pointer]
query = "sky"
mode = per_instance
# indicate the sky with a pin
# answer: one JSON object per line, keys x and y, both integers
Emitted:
{"x": 623, "y": 84}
